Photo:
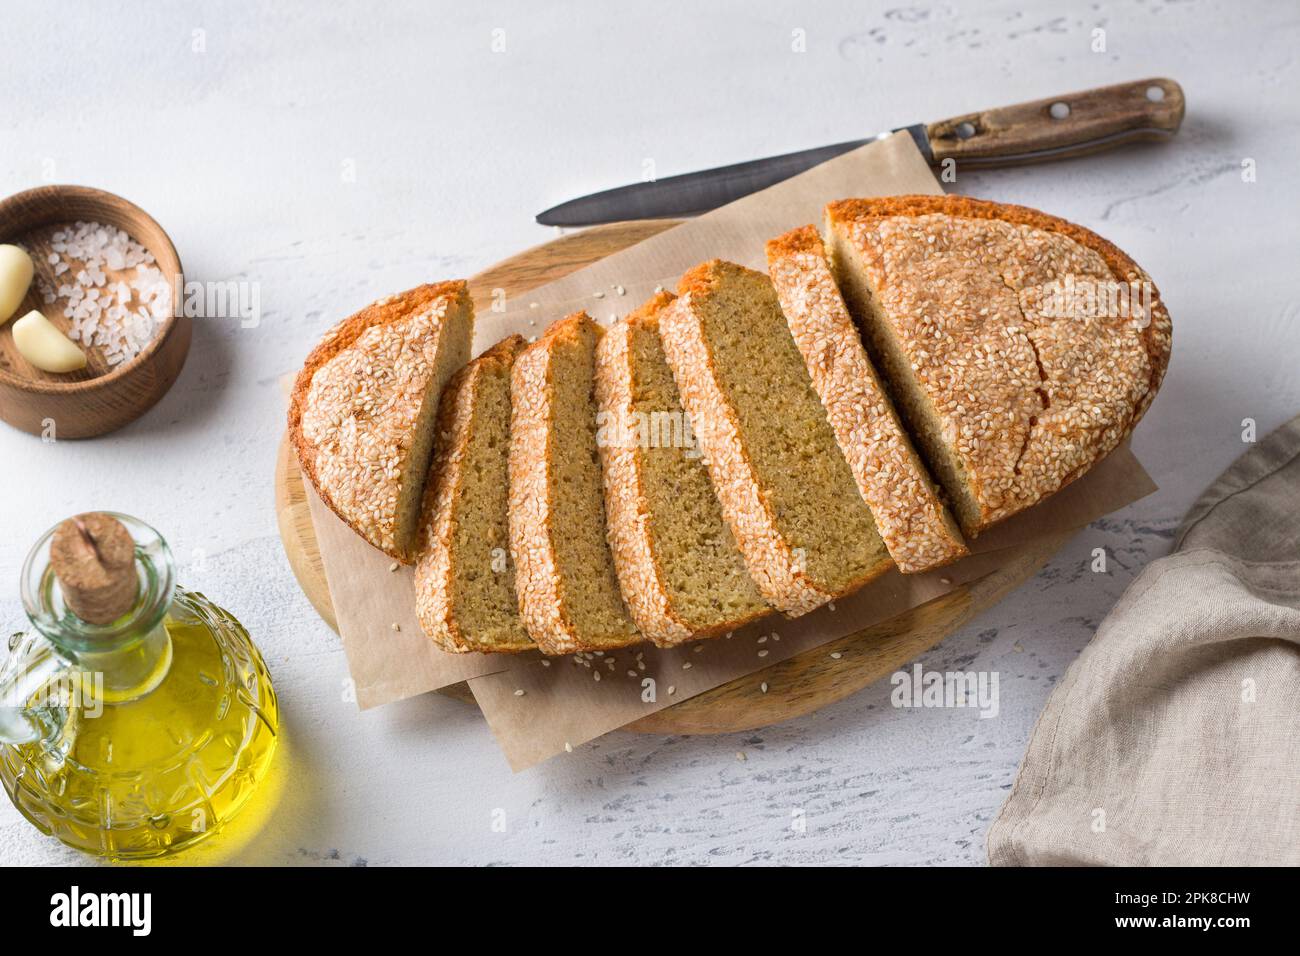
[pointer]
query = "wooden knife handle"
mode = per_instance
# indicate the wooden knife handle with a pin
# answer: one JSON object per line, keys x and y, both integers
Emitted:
{"x": 1063, "y": 126}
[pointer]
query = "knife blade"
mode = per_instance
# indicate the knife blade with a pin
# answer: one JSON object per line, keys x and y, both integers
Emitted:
{"x": 1071, "y": 125}
{"x": 691, "y": 193}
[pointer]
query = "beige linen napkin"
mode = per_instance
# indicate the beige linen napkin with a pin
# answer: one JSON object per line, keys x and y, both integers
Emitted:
{"x": 1175, "y": 737}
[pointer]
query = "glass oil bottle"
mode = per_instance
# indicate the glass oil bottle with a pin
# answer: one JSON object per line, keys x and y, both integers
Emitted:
{"x": 136, "y": 718}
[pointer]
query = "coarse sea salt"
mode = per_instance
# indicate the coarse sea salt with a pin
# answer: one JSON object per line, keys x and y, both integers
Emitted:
{"x": 120, "y": 313}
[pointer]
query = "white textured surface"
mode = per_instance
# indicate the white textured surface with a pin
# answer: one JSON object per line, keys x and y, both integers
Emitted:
{"x": 238, "y": 151}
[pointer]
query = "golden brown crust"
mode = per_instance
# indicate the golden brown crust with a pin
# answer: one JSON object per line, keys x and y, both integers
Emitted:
{"x": 435, "y": 572}
{"x": 1158, "y": 334}
{"x": 537, "y": 579}
{"x": 539, "y": 585}
{"x": 344, "y": 335}
{"x": 1055, "y": 454}
{"x": 771, "y": 560}
{"x": 805, "y": 240}
{"x": 639, "y": 573}
{"x": 910, "y": 516}
{"x": 640, "y": 570}
{"x": 704, "y": 278}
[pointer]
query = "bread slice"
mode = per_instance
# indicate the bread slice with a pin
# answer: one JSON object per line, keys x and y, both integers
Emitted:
{"x": 1008, "y": 402}
{"x": 464, "y": 581}
{"x": 568, "y": 591}
{"x": 681, "y": 572}
{"x": 785, "y": 487}
{"x": 912, "y": 520}
{"x": 363, "y": 412}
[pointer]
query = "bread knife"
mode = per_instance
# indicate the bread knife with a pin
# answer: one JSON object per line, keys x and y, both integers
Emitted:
{"x": 1063, "y": 126}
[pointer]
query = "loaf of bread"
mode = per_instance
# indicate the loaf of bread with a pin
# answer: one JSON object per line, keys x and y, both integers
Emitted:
{"x": 465, "y": 581}
{"x": 912, "y": 520}
{"x": 749, "y": 444}
{"x": 959, "y": 300}
{"x": 680, "y": 569}
{"x": 364, "y": 409}
{"x": 784, "y": 485}
{"x": 568, "y": 591}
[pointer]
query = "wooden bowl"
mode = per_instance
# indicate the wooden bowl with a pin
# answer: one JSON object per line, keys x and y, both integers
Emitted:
{"x": 100, "y": 397}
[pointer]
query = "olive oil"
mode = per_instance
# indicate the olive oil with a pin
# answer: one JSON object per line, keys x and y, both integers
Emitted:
{"x": 145, "y": 745}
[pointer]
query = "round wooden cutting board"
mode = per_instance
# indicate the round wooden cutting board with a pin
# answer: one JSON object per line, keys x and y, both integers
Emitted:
{"x": 796, "y": 686}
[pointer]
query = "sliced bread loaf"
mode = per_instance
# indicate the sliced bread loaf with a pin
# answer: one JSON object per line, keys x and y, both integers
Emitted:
{"x": 464, "y": 581}
{"x": 912, "y": 520}
{"x": 363, "y": 413}
{"x": 1010, "y": 396}
{"x": 681, "y": 572}
{"x": 568, "y": 591}
{"x": 785, "y": 488}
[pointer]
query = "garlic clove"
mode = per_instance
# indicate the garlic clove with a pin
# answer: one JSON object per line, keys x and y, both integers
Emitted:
{"x": 41, "y": 343}
{"x": 15, "y": 278}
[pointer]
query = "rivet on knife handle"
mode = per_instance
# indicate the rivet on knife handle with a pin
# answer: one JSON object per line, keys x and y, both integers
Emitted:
{"x": 1071, "y": 125}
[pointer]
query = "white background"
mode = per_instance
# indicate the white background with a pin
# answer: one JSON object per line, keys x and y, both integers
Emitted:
{"x": 239, "y": 151}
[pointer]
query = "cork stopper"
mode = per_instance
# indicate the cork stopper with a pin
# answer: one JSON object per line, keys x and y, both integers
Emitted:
{"x": 93, "y": 556}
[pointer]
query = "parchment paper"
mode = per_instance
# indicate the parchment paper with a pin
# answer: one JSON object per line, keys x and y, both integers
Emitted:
{"x": 562, "y": 703}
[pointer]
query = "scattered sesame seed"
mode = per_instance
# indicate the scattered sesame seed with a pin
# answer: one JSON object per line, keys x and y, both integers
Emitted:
{"x": 519, "y": 692}
{"x": 763, "y": 653}
{"x": 763, "y": 687}
{"x": 568, "y": 747}
{"x": 396, "y": 626}
{"x": 740, "y": 756}
{"x": 836, "y": 655}
{"x": 393, "y": 567}
{"x": 686, "y": 666}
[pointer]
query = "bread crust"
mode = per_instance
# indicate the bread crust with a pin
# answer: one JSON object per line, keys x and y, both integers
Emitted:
{"x": 435, "y": 572}
{"x": 539, "y": 585}
{"x": 335, "y": 342}
{"x": 911, "y": 518}
{"x": 639, "y": 574}
{"x": 640, "y": 570}
{"x": 1159, "y": 333}
{"x": 1156, "y": 337}
{"x": 769, "y": 557}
